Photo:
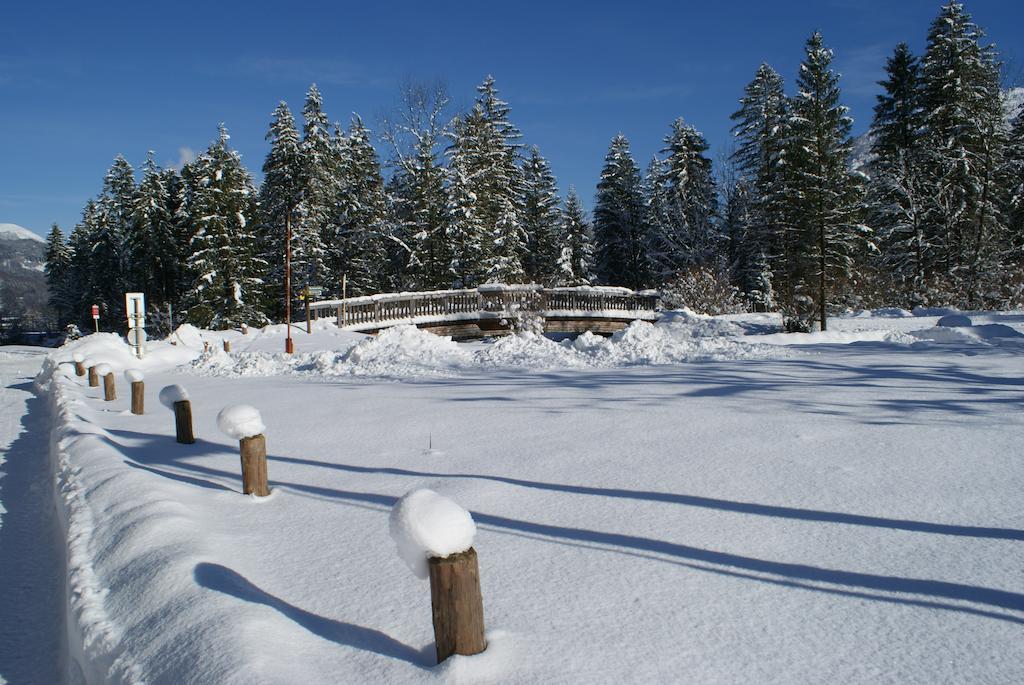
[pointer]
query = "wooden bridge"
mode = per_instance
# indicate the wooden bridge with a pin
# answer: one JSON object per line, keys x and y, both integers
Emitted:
{"x": 495, "y": 309}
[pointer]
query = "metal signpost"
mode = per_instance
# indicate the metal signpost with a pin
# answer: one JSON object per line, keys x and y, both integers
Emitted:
{"x": 96, "y": 317}
{"x": 135, "y": 307}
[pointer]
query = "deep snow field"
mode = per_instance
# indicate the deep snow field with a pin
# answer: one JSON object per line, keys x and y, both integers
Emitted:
{"x": 703, "y": 500}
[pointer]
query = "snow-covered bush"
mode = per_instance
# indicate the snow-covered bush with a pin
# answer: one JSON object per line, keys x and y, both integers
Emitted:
{"x": 703, "y": 290}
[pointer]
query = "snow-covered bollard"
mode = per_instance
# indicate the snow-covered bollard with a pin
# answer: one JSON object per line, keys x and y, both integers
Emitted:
{"x": 227, "y": 345}
{"x": 79, "y": 361}
{"x": 244, "y": 424}
{"x": 245, "y": 329}
{"x": 434, "y": 536}
{"x": 94, "y": 379}
{"x": 135, "y": 378}
{"x": 175, "y": 397}
{"x": 206, "y": 346}
{"x": 109, "y": 391}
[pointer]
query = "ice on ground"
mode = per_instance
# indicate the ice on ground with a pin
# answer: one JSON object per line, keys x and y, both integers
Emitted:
{"x": 424, "y": 524}
{"x": 133, "y": 375}
{"x": 240, "y": 421}
{"x": 172, "y": 393}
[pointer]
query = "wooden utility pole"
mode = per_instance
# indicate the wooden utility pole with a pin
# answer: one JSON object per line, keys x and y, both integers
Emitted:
{"x": 289, "y": 346}
{"x": 458, "y": 608}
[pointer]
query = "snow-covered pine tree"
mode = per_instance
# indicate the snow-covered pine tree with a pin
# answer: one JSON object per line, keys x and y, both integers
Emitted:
{"x": 963, "y": 131}
{"x": 825, "y": 195}
{"x": 686, "y": 235}
{"x": 57, "y": 271}
{"x": 314, "y": 235}
{"x": 542, "y": 219}
{"x": 895, "y": 195}
{"x": 155, "y": 247}
{"x": 620, "y": 229}
{"x": 761, "y": 131}
{"x": 83, "y": 286}
{"x": 1013, "y": 174}
{"x": 576, "y": 260}
{"x": 280, "y": 195}
{"x": 747, "y": 259}
{"x": 363, "y": 222}
{"x": 486, "y": 194}
{"x": 115, "y": 234}
{"x": 223, "y": 266}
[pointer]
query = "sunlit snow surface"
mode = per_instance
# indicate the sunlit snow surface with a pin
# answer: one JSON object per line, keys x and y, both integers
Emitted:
{"x": 701, "y": 500}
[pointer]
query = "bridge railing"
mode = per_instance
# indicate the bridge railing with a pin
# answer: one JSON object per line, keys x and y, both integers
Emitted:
{"x": 487, "y": 300}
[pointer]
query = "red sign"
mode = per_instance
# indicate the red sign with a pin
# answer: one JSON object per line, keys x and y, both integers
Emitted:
{"x": 95, "y": 311}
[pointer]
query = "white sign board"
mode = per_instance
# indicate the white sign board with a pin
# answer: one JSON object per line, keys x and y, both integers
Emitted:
{"x": 135, "y": 309}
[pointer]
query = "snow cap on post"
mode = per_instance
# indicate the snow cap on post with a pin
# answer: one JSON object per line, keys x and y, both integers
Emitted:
{"x": 171, "y": 394}
{"x": 133, "y": 375}
{"x": 77, "y": 357}
{"x": 240, "y": 421}
{"x": 103, "y": 369}
{"x": 424, "y": 524}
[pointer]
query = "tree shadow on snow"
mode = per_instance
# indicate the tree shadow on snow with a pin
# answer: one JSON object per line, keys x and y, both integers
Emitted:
{"x": 225, "y": 580}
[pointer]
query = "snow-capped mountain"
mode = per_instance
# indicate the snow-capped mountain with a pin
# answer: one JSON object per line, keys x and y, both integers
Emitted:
{"x": 22, "y": 283}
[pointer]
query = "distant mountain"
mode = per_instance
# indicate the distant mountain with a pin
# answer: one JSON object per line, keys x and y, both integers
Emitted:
{"x": 23, "y": 290}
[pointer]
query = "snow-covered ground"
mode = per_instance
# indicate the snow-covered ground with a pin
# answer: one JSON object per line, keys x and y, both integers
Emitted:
{"x": 702, "y": 500}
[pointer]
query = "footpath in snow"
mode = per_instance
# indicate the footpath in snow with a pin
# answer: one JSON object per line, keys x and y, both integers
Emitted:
{"x": 32, "y": 629}
{"x": 702, "y": 500}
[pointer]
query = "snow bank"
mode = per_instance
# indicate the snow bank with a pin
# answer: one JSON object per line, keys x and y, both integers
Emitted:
{"x": 954, "y": 321}
{"x": 240, "y": 421}
{"x": 990, "y": 333}
{"x": 172, "y": 393}
{"x": 133, "y": 375}
{"x": 424, "y": 524}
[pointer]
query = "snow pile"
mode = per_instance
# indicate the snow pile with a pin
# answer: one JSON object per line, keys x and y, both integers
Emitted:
{"x": 188, "y": 335}
{"x": 424, "y": 524}
{"x": 103, "y": 369}
{"x": 404, "y": 351}
{"x": 831, "y": 337}
{"x": 216, "y": 362}
{"x": 681, "y": 339}
{"x": 954, "y": 321}
{"x": 529, "y": 350}
{"x": 990, "y": 333}
{"x": 240, "y": 421}
{"x": 171, "y": 394}
{"x": 133, "y": 375}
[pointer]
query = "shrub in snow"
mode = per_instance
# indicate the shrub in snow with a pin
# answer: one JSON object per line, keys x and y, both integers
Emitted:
{"x": 240, "y": 421}
{"x": 424, "y": 524}
{"x": 171, "y": 394}
{"x": 703, "y": 290}
{"x": 133, "y": 375}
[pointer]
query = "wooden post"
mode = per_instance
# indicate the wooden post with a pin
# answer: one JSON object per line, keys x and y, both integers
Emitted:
{"x": 458, "y": 608}
{"x": 227, "y": 346}
{"x": 206, "y": 346}
{"x": 245, "y": 329}
{"x": 109, "y": 391}
{"x": 94, "y": 379}
{"x": 254, "y": 465}
{"x": 183, "y": 422}
{"x": 138, "y": 397}
{"x": 79, "y": 368}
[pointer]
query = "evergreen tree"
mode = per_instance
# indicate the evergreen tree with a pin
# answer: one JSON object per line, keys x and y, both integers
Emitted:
{"x": 824, "y": 194}
{"x": 1014, "y": 181}
{"x": 157, "y": 256}
{"x": 280, "y": 195}
{"x": 542, "y": 219}
{"x": 685, "y": 235}
{"x": 314, "y": 233}
{"x": 363, "y": 223}
{"x": 83, "y": 280}
{"x": 896, "y": 196}
{"x": 112, "y": 240}
{"x": 963, "y": 139}
{"x": 576, "y": 260}
{"x": 57, "y": 271}
{"x": 761, "y": 131}
{"x": 620, "y": 230}
{"x": 223, "y": 266}
{"x": 747, "y": 257}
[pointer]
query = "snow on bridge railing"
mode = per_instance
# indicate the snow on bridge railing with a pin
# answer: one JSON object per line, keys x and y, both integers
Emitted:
{"x": 492, "y": 299}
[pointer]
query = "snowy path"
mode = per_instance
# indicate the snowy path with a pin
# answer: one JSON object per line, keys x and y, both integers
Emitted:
{"x": 31, "y": 566}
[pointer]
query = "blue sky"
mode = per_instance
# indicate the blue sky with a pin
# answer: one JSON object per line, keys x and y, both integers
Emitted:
{"x": 81, "y": 82}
